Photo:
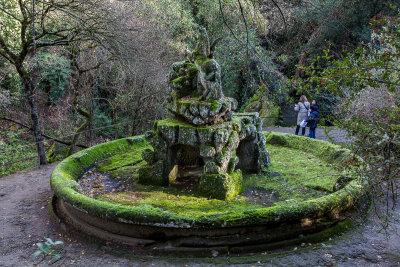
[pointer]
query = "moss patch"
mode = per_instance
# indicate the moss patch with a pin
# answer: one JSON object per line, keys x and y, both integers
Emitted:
{"x": 303, "y": 168}
{"x": 127, "y": 173}
{"x": 177, "y": 201}
{"x": 129, "y": 157}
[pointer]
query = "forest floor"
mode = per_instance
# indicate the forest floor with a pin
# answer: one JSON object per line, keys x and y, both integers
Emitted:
{"x": 25, "y": 221}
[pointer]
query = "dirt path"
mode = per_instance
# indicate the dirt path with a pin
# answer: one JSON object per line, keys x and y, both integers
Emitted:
{"x": 24, "y": 221}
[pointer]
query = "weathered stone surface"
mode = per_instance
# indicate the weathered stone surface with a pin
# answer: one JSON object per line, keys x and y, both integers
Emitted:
{"x": 182, "y": 78}
{"x": 204, "y": 110}
{"x": 156, "y": 142}
{"x": 153, "y": 174}
{"x": 194, "y": 109}
{"x": 233, "y": 141}
{"x": 149, "y": 156}
{"x": 168, "y": 133}
{"x": 205, "y": 136}
{"x": 222, "y": 159}
{"x": 211, "y": 167}
{"x": 200, "y": 113}
{"x": 198, "y": 121}
{"x": 187, "y": 114}
{"x": 207, "y": 151}
{"x": 188, "y": 136}
{"x": 214, "y": 110}
{"x": 252, "y": 153}
{"x": 221, "y": 186}
{"x": 220, "y": 138}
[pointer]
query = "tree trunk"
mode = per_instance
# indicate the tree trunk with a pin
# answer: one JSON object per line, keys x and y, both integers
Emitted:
{"x": 30, "y": 94}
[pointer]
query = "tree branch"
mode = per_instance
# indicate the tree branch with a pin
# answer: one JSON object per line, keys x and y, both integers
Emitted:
{"x": 7, "y": 53}
{"x": 11, "y": 15}
{"x": 46, "y": 136}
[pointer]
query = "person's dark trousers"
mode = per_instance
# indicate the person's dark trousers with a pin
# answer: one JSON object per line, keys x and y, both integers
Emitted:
{"x": 303, "y": 130}
{"x": 312, "y": 133}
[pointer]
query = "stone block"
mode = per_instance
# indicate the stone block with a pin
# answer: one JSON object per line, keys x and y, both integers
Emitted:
{"x": 168, "y": 133}
{"x": 149, "y": 156}
{"x": 173, "y": 174}
{"x": 205, "y": 135}
{"x": 153, "y": 174}
{"x": 194, "y": 109}
{"x": 204, "y": 109}
{"x": 198, "y": 121}
{"x": 188, "y": 136}
{"x": 221, "y": 186}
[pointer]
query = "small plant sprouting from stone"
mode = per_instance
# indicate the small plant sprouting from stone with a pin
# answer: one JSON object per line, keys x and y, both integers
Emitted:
{"x": 48, "y": 250}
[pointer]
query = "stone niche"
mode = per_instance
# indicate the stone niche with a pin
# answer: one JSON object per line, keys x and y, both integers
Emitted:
{"x": 203, "y": 132}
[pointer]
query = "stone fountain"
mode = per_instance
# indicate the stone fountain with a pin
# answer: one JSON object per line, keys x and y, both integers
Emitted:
{"x": 128, "y": 190}
{"x": 203, "y": 132}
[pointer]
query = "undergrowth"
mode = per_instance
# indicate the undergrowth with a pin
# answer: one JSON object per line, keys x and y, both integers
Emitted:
{"x": 14, "y": 151}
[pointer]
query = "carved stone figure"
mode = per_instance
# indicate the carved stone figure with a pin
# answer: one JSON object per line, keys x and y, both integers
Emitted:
{"x": 203, "y": 134}
{"x": 200, "y": 75}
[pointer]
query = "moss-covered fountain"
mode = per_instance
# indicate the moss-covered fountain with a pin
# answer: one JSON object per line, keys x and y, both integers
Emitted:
{"x": 202, "y": 183}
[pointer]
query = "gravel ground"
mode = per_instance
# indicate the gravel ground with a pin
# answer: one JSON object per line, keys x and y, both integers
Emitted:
{"x": 24, "y": 221}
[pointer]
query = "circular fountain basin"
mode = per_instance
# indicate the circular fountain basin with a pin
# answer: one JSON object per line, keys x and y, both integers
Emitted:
{"x": 303, "y": 192}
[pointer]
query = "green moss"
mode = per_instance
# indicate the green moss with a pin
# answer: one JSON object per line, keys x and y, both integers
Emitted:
{"x": 179, "y": 202}
{"x": 199, "y": 59}
{"x": 153, "y": 174}
{"x": 214, "y": 104}
{"x": 121, "y": 160}
{"x": 326, "y": 151}
{"x": 172, "y": 122}
{"x": 128, "y": 173}
{"x": 303, "y": 168}
{"x": 221, "y": 186}
{"x": 184, "y": 82}
{"x": 276, "y": 140}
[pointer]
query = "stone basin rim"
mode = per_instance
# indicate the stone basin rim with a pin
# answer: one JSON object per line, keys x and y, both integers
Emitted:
{"x": 64, "y": 176}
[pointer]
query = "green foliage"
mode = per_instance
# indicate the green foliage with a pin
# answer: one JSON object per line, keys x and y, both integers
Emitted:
{"x": 55, "y": 70}
{"x": 319, "y": 24}
{"x": 13, "y": 148}
{"x": 48, "y": 250}
{"x": 245, "y": 65}
{"x": 368, "y": 80}
{"x": 11, "y": 93}
{"x": 102, "y": 119}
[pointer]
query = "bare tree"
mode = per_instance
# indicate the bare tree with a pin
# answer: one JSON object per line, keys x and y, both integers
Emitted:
{"x": 29, "y": 26}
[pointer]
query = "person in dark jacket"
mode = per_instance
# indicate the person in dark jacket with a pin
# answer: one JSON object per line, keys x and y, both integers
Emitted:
{"x": 312, "y": 120}
{"x": 314, "y": 103}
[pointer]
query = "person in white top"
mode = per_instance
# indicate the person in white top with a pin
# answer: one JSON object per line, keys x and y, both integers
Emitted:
{"x": 303, "y": 108}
